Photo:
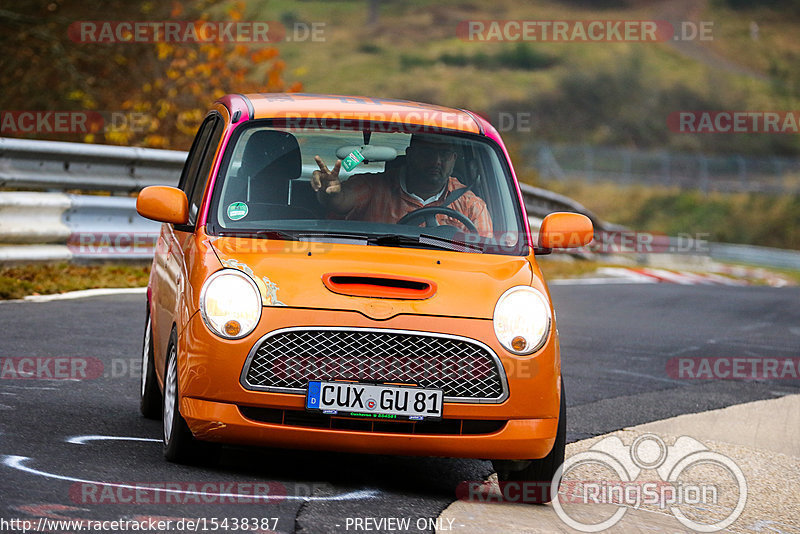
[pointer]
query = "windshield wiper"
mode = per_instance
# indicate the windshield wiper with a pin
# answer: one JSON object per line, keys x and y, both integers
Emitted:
{"x": 268, "y": 234}
{"x": 427, "y": 241}
{"x": 423, "y": 240}
{"x": 300, "y": 235}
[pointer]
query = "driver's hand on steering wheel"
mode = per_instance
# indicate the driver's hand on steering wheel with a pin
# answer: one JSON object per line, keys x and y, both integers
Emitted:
{"x": 324, "y": 180}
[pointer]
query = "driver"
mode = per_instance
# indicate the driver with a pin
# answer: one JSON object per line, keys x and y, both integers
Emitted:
{"x": 424, "y": 181}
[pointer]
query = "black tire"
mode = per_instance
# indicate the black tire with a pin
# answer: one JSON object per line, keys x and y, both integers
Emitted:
{"x": 149, "y": 393}
{"x": 540, "y": 471}
{"x": 180, "y": 446}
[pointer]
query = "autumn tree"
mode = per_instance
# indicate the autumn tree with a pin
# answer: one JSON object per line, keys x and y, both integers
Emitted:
{"x": 162, "y": 89}
{"x": 189, "y": 77}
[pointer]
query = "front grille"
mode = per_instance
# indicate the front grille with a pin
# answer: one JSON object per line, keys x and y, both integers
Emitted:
{"x": 303, "y": 419}
{"x": 464, "y": 369}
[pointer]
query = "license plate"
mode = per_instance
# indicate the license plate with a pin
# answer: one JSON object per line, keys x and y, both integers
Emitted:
{"x": 373, "y": 401}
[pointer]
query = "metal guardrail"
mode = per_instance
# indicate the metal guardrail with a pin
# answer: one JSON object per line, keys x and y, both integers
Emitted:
{"x": 754, "y": 255}
{"x": 58, "y": 226}
{"x": 704, "y": 172}
{"x": 63, "y": 166}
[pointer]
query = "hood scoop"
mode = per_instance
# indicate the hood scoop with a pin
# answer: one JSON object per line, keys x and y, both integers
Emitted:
{"x": 379, "y": 286}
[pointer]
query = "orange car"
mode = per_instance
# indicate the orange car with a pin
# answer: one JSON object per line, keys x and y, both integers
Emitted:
{"x": 354, "y": 274}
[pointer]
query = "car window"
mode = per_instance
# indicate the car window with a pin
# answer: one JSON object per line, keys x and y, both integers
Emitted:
{"x": 207, "y": 162}
{"x": 195, "y": 157}
{"x": 265, "y": 185}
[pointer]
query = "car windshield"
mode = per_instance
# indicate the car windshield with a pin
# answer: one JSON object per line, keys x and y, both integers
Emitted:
{"x": 393, "y": 188}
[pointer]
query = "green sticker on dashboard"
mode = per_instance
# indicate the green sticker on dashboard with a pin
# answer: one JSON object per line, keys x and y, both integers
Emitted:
{"x": 237, "y": 210}
{"x": 352, "y": 160}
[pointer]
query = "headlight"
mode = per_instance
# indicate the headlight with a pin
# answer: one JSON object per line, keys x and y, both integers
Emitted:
{"x": 230, "y": 303}
{"x": 522, "y": 320}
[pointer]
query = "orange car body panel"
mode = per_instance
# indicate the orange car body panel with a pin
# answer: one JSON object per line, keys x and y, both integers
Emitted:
{"x": 314, "y": 109}
{"x": 467, "y": 287}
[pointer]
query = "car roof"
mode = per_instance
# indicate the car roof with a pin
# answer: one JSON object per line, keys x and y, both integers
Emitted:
{"x": 309, "y": 107}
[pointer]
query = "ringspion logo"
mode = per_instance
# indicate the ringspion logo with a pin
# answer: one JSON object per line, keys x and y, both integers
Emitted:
{"x": 721, "y": 487}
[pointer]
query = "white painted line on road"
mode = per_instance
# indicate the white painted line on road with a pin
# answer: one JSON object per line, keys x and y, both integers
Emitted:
{"x": 18, "y": 462}
{"x": 81, "y": 440}
{"x": 84, "y": 293}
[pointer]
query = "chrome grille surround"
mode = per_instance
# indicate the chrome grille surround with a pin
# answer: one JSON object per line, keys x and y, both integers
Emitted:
{"x": 283, "y": 361}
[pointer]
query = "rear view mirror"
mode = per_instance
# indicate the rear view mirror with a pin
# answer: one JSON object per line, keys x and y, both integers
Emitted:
{"x": 164, "y": 204}
{"x": 565, "y": 230}
{"x": 370, "y": 152}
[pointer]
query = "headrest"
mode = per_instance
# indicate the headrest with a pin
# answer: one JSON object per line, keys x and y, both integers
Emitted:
{"x": 273, "y": 151}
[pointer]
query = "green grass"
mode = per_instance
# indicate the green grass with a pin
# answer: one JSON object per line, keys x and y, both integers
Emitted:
{"x": 18, "y": 281}
{"x": 554, "y": 267}
{"x": 753, "y": 219}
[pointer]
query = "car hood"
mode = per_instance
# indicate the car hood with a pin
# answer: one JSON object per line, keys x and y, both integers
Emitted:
{"x": 377, "y": 281}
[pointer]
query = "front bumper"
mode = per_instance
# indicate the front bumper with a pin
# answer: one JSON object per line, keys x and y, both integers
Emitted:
{"x": 221, "y": 422}
{"x": 211, "y": 393}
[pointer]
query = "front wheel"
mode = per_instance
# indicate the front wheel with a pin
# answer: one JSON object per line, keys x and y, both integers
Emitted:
{"x": 540, "y": 471}
{"x": 179, "y": 444}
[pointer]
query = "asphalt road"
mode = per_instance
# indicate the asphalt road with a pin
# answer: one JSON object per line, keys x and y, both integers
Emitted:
{"x": 616, "y": 342}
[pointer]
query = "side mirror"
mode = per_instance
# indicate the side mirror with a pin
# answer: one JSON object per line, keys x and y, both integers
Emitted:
{"x": 164, "y": 204}
{"x": 565, "y": 230}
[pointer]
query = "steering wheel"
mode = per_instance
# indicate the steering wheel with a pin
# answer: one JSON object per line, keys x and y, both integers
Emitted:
{"x": 428, "y": 213}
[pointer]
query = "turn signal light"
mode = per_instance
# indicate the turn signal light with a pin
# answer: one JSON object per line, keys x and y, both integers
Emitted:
{"x": 232, "y": 328}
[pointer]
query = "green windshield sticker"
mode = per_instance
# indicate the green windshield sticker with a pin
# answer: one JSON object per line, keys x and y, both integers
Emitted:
{"x": 237, "y": 210}
{"x": 352, "y": 160}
